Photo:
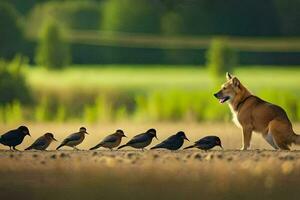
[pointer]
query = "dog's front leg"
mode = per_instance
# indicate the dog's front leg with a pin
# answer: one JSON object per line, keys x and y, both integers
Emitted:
{"x": 247, "y": 133}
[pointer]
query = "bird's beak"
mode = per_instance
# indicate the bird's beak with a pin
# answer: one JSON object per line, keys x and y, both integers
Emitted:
{"x": 186, "y": 138}
{"x": 54, "y": 139}
{"x": 124, "y": 136}
{"x": 28, "y": 134}
{"x": 221, "y": 146}
{"x": 156, "y": 138}
{"x": 86, "y": 133}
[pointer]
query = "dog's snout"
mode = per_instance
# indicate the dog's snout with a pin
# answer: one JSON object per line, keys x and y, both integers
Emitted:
{"x": 218, "y": 94}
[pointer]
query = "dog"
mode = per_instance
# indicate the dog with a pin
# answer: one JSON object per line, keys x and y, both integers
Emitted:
{"x": 252, "y": 114}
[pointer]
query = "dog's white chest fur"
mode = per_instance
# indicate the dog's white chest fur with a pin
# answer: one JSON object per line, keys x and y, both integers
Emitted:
{"x": 234, "y": 117}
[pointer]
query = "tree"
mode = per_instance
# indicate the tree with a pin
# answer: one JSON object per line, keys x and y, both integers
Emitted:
{"x": 11, "y": 34}
{"x": 52, "y": 51}
{"x": 131, "y": 16}
{"x": 220, "y": 58}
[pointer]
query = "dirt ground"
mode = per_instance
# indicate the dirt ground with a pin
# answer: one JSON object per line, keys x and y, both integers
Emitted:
{"x": 153, "y": 174}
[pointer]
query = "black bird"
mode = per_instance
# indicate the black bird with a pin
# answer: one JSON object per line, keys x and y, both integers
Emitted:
{"x": 14, "y": 137}
{"x": 173, "y": 142}
{"x": 206, "y": 143}
{"x": 142, "y": 140}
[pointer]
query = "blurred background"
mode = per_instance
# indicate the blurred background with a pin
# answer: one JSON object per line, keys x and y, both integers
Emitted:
{"x": 136, "y": 64}
{"x": 143, "y": 60}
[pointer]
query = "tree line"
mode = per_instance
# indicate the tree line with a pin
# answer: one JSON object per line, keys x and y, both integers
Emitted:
{"x": 21, "y": 20}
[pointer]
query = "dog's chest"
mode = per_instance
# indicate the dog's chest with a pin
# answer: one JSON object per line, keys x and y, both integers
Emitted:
{"x": 235, "y": 118}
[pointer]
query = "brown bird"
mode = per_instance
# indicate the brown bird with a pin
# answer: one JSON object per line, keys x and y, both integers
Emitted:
{"x": 74, "y": 139}
{"x": 42, "y": 142}
{"x": 111, "y": 141}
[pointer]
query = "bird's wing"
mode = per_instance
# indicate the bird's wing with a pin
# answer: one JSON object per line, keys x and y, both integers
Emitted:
{"x": 110, "y": 139}
{"x": 10, "y": 135}
{"x": 167, "y": 142}
{"x": 72, "y": 137}
{"x": 139, "y": 138}
{"x": 206, "y": 142}
{"x": 171, "y": 139}
{"x": 39, "y": 142}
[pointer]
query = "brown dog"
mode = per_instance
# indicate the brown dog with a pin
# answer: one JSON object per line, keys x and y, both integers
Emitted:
{"x": 254, "y": 114}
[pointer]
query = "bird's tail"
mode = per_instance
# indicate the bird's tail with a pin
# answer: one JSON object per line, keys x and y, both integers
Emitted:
{"x": 296, "y": 139}
{"x": 59, "y": 146}
{"x": 95, "y": 147}
{"x": 122, "y": 146}
{"x": 189, "y": 147}
{"x": 28, "y": 148}
{"x": 158, "y": 146}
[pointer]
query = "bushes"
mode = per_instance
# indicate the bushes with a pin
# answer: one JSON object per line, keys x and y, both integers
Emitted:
{"x": 11, "y": 113}
{"x": 13, "y": 84}
{"x": 148, "y": 106}
{"x": 13, "y": 90}
{"x": 220, "y": 58}
{"x": 52, "y": 51}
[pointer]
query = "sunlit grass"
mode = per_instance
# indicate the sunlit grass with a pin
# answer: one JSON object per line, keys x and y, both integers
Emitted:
{"x": 97, "y": 93}
{"x": 156, "y": 77}
{"x": 120, "y": 77}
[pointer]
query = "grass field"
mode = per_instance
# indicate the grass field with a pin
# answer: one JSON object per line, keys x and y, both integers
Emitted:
{"x": 147, "y": 93}
{"x": 133, "y": 174}
{"x": 158, "y": 77}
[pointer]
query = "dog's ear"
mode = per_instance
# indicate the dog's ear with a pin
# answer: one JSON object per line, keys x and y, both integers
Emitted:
{"x": 235, "y": 82}
{"x": 228, "y": 76}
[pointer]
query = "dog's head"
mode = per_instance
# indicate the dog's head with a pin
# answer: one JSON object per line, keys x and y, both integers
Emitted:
{"x": 229, "y": 90}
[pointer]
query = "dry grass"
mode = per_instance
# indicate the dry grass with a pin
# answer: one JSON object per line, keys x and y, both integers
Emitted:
{"x": 132, "y": 174}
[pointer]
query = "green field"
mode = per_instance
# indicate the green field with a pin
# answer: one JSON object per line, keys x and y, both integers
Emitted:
{"x": 158, "y": 77}
{"x": 94, "y": 93}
